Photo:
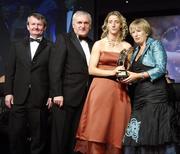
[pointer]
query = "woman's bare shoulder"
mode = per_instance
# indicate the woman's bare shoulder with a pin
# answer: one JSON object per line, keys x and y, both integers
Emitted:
{"x": 99, "y": 43}
{"x": 126, "y": 45}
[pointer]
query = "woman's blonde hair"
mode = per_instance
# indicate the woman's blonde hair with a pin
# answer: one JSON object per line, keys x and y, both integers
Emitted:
{"x": 123, "y": 28}
{"x": 142, "y": 24}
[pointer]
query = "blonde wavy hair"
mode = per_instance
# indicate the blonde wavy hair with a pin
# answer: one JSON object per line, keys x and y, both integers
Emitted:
{"x": 123, "y": 28}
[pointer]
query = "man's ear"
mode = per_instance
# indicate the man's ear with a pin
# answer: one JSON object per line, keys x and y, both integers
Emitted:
{"x": 73, "y": 26}
{"x": 27, "y": 27}
{"x": 45, "y": 28}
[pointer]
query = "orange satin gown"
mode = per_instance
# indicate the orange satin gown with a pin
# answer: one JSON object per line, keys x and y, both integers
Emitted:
{"x": 105, "y": 114}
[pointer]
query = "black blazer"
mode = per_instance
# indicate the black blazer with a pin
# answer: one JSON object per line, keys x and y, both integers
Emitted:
{"x": 72, "y": 70}
{"x": 24, "y": 74}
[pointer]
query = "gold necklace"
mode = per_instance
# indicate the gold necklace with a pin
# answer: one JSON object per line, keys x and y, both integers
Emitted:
{"x": 112, "y": 43}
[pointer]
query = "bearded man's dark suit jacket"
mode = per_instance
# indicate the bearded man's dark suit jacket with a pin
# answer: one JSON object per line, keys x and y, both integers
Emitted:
{"x": 29, "y": 82}
{"x": 73, "y": 83}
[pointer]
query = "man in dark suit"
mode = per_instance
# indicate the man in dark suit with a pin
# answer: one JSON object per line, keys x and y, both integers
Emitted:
{"x": 73, "y": 80}
{"x": 27, "y": 87}
{"x": 4, "y": 38}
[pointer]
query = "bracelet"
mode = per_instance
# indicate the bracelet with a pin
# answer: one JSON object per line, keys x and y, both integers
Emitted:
{"x": 142, "y": 75}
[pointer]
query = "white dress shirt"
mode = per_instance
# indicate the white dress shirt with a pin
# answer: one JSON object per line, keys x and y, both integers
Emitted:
{"x": 86, "y": 50}
{"x": 33, "y": 47}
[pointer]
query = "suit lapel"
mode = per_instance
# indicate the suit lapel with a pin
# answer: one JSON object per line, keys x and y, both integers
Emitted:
{"x": 146, "y": 48}
{"x": 77, "y": 44}
{"x": 27, "y": 51}
{"x": 136, "y": 52}
{"x": 40, "y": 48}
{"x": 90, "y": 44}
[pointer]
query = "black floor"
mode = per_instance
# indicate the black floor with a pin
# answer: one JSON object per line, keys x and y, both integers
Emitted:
{"x": 4, "y": 145}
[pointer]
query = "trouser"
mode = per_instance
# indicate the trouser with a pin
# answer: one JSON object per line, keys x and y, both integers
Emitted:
{"x": 64, "y": 125}
{"x": 36, "y": 120}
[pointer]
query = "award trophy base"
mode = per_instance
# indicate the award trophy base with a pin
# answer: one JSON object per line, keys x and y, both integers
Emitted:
{"x": 122, "y": 74}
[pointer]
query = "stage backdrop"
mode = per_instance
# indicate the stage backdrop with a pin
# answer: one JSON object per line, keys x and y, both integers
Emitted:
{"x": 167, "y": 29}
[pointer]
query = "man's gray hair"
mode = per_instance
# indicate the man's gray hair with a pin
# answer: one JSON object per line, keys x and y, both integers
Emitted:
{"x": 78, "y": 13}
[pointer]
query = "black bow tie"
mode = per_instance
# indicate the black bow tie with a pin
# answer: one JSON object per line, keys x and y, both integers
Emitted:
{"x": 83, "y": 38}
{"x": 32, "y": 40}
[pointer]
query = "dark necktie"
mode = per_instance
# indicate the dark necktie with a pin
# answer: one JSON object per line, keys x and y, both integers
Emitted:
{"x": 32, "y": 40}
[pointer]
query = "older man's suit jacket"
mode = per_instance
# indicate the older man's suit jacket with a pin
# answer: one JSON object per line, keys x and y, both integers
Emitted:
{"x": 72, "y": 70}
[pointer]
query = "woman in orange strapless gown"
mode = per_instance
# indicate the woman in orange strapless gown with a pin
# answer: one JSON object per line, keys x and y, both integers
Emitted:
{"x": 107, "y": 107}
